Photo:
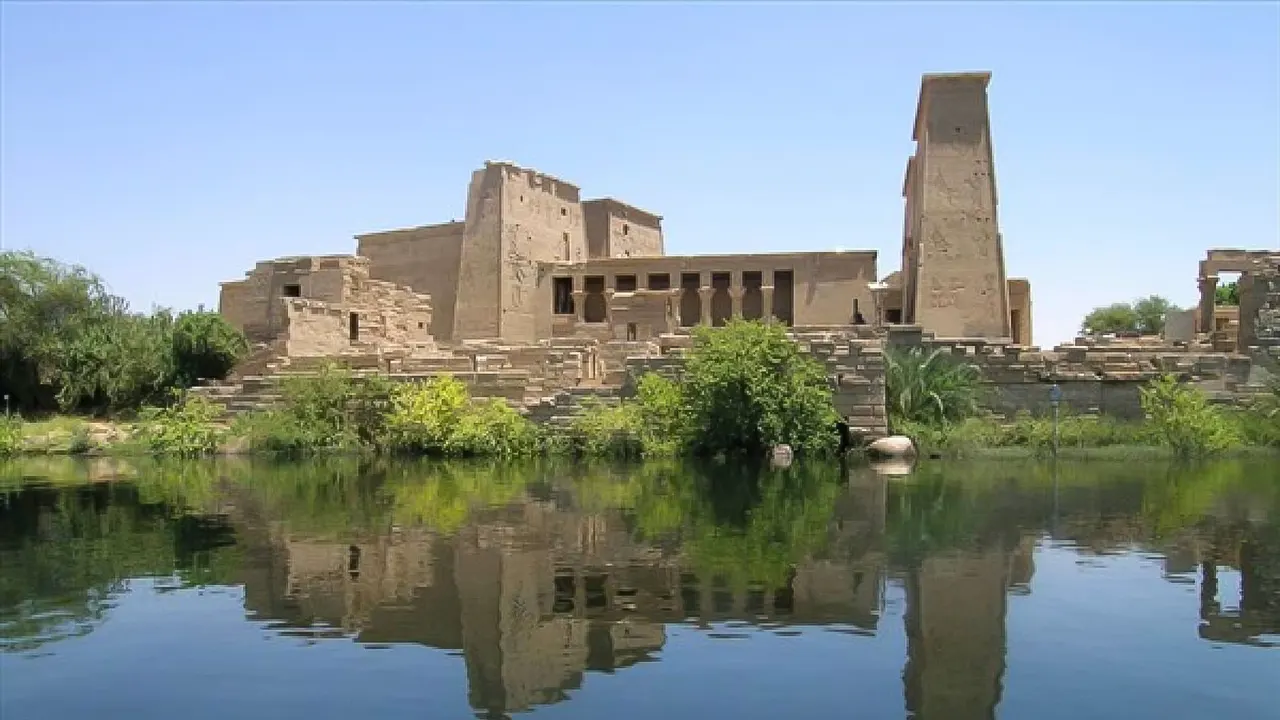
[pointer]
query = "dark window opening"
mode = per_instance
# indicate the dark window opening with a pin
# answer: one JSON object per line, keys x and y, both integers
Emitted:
{"x": 624, "y": 283}
{"x": 721, "y": 302}
{"x": 293, "y": 291}
{"x": 784, "y": 295}
{"x": 564, "y": 211}
{"x": 893, "y": 317}
{"x": 562, "y": 296}
{"x": 626, "y": 229}
{"x": 595, "y": 309}
{"x": 353, "y": 323}
{"x": 752, "y": 295}
{"x": 690, "y": 300}
{"x": 660, "y": 281}
{"x": 421, "y": 325}
{"x": 631, "y": 331}
{"x": 857, "y": 315}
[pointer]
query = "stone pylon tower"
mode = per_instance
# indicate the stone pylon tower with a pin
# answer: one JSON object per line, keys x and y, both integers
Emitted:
{"x": 516, "y": 218}
{"x": 954, "y": 282}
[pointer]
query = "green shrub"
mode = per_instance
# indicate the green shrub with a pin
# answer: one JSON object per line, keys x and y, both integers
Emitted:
{"x": 438, "y": 417}
{"x": 492, "y": 428}
{"x": 1182, "y": 419}
{"x": 205, "y": 347}
{"x": 747, "y": 387}
{"x": 665, "y": 427}
{"x": 423, "y": 416}
{"x": 10, "y": 435}
{"x": 929, "y": 387}
{"x": 188, "y": 428}
{"x": 608, "y": 431}
{"x": 315, "y": 415}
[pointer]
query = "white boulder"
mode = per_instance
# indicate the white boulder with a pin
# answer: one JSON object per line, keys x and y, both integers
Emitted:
{"x": 894, "y": 446}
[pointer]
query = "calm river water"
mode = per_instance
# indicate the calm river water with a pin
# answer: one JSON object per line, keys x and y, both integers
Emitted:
{"x": 340, "y": 590}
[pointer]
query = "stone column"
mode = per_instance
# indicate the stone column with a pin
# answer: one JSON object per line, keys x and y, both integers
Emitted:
{"x": 735, "y": 294}
{"x": 673, "y": 310}
{"x": 766, "y": 303}
{"x": 608, "y": 307}
{"x": 1208, "y": 297}
{"x": 704, "y": 294}
{"x": 580, "y": 304}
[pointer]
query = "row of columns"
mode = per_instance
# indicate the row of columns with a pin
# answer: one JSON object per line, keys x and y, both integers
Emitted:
{"x": 706, "y": 292}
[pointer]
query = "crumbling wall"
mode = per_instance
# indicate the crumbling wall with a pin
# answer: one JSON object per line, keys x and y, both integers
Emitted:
{"x": 425, "y": 259}
{"x": 1262, "y": 298}
{"x": 1094, "y": 378}
{"x": 255, "y": 304}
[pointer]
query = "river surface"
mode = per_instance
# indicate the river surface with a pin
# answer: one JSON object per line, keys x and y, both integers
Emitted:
{"x": 342, "y": 589}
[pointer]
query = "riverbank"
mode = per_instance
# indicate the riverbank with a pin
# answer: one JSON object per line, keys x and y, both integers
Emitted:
{"x": 1097, "y": 439}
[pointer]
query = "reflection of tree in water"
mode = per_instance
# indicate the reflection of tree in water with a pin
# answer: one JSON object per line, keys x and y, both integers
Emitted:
{"x": 65, "y": 552}
{"x": 382, "y": 548}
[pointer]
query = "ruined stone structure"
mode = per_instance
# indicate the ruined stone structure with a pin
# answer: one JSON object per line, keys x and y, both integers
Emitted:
{"x": 1251, "y": 324}
{"x": 326, "y": 307}
{"x": 541, "y": 298}
{"x": 538, "y": 294}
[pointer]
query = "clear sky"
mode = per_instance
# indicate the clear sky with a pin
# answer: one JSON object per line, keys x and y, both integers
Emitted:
{"x": 169, "y": 146}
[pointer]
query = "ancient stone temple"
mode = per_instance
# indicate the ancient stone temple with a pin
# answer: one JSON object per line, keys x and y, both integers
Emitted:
{"x": 541, "y": 297}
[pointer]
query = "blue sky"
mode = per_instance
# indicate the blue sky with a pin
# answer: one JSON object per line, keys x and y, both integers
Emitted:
{"x": 169, "y": 146}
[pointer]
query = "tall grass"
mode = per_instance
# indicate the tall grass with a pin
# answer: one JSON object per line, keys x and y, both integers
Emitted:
{"x": 929, "y": 388}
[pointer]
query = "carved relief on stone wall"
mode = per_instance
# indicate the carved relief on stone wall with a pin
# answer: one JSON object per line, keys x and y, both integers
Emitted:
{"x": 944, "y": 294}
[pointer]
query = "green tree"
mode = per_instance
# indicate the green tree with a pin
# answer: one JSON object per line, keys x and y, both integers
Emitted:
{"x": 747, "y": 387}
{"x": 66, "y": 342}
{"x": 1151, "y": 312}
{"x": 1145, "y": 316}
{"x": 1114, "y": 318}
{"x": 1227, "y": 294}
{"x": 206, "y": 346}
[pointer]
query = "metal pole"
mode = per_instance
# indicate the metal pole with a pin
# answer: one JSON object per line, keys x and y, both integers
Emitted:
{"x": 1055, "y": 398}
{"x": 6, "y": 405}
{"x": 1055, "y": 430}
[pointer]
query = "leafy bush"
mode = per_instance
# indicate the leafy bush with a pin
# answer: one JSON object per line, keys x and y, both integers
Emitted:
{"x": 423, "y": 416}
{"x": 205, "y": 346}
{"x": 747, "y": 387}
{"x": 492, "y": 428}
{"x": 609, "y": 431}
{"x": 313, "y": 416}
{"x": 665, "y": 426}
{"x": 1260, "y": 422}
{"x": 189, "y": 428}
{"x": 932, "y": 388}
{"x": 1182, "y": 418}
{"x": 438, "y": 417}
{"x": 10, "y": 435}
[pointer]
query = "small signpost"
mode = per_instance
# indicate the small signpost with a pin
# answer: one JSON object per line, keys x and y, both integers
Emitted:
{"x": 1055, "y": 399}
{"x": 6, "y": 405}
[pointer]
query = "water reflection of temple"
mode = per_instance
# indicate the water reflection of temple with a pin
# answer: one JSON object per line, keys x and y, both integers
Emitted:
{"x": 535, "y": 595}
